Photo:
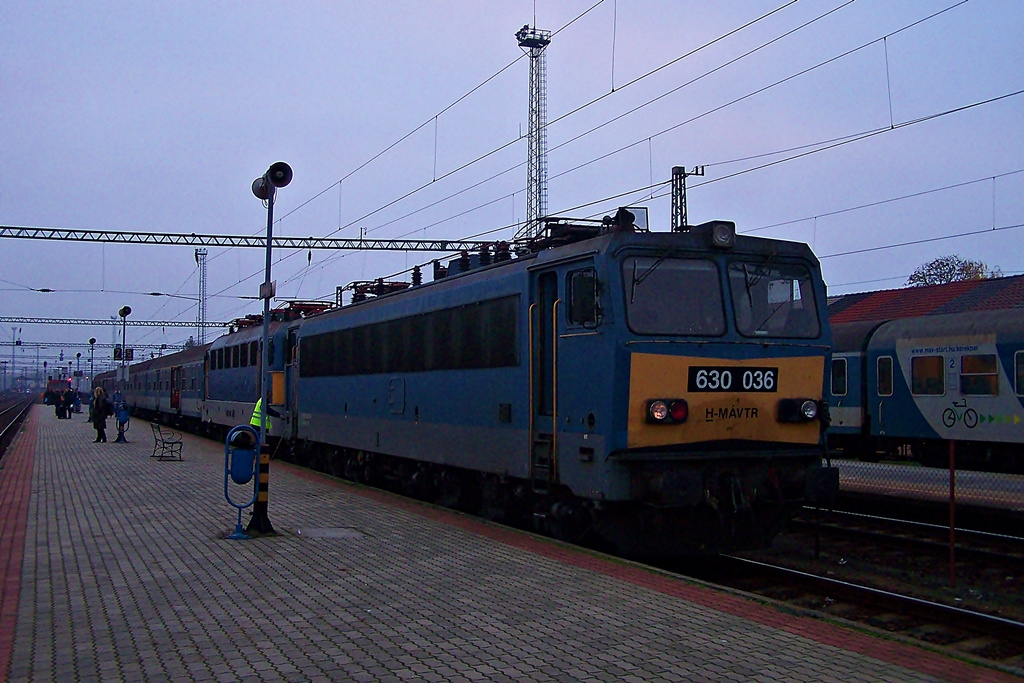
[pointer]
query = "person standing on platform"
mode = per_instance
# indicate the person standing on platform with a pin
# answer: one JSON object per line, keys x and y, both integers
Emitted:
{"x": 257, "y": 415}
{"x": 101, "y": 408}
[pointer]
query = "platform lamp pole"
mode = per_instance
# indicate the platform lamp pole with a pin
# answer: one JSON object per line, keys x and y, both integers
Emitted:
{"x": 15, "y": 342}
{"x": 122, "y": 376}
{"x": 92, "y": 348}
{"x": 265, "y": 187}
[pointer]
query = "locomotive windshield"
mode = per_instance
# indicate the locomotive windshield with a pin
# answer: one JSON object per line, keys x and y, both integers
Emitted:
{"x": 773, "y": 300}
{"x": 673, "y": 296}
{"x": 683, "y": 296}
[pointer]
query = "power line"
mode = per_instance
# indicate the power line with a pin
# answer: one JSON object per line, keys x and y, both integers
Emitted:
{"x": 886, "y": 201}
{"x": 430, "y": 119}
{"x": 925, "y": 240}
{"x": 101, "y": 321}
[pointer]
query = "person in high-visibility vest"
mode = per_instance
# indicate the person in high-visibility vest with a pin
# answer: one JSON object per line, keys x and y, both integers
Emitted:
{"x": 257, "y": 415}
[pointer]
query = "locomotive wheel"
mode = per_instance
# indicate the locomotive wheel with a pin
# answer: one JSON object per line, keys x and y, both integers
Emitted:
{"x": 569, "y": 521}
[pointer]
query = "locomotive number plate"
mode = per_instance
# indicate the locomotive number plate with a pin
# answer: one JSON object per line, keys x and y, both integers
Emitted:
{"x": 707, "y": 378}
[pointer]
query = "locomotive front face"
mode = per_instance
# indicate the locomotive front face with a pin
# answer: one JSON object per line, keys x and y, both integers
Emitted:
{"x": 770, "y": 399}
{"x": 740, "y": 358}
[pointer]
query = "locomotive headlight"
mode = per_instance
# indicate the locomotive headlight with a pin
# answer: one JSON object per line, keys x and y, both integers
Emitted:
{"x": 798, "y": 410}
{"x": 667, "y": 410}
{"x": 723, "y": 234}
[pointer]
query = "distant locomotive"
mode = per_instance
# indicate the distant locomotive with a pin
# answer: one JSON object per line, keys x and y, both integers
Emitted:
{"x": 657, "y": 393}
{"x": 906, "y": 388}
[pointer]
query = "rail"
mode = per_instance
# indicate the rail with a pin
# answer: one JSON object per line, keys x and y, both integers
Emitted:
{"x": 12, "y": 413}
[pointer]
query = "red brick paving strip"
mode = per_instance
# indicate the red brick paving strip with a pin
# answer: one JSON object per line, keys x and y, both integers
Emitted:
{"x": 15, "y": 489}
{"x": 912, "y": 657}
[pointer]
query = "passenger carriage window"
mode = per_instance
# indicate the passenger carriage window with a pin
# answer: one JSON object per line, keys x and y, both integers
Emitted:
{"x": 927, "y": 376}
{"x": 1018, "y": 362}
{"x": 673, "y": 296}
{"x": 839, "y": 377}
{"x": 774, "y": 300}
{"x": 979, "y": 375}
{"x": 884, "y": 381}
{"x": 583, "y": 297}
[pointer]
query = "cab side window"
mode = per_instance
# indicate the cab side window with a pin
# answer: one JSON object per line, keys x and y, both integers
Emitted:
{"x": 584, "y": 307}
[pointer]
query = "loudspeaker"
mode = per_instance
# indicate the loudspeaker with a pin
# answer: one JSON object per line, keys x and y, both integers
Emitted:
{"x": 279, "y": 174}
{"x": 259, "y": 188}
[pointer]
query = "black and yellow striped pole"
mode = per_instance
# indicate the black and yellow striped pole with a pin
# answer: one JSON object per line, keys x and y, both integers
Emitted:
{"x": 259, "y": 523}
{"x": 265, "y": 187}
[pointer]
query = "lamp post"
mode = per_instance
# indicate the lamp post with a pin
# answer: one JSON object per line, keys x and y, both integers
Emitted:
{"x": 92, "y": 347}
{"x": 265, "y": 187}
{"x": 120, "y": 407}
{"x": 15, "y": 331}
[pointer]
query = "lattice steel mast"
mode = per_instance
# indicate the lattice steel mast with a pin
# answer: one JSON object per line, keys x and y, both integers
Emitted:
{"x": 537, "y": 160}
{"x": 201, "y": 313}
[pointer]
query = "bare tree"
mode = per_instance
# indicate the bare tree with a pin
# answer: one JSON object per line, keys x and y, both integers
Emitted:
{"x": 951, "y": 268}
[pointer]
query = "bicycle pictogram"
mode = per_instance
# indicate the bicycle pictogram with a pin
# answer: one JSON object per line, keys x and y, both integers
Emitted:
{"x": 950, "y": 416}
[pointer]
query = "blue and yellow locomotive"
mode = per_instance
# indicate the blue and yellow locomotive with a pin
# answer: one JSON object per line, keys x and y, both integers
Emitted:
{"x": 660, "y": 393}
{"x": 654, "y": 393}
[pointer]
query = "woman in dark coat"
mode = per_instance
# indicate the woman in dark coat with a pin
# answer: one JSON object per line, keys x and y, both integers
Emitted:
{"x": 100, "y": 410}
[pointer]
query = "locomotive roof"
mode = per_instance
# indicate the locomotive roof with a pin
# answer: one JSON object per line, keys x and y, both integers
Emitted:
{"x": 955, "y": 297}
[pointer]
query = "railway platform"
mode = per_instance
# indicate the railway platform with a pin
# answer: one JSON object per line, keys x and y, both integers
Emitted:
{"x": 117, "y": 567}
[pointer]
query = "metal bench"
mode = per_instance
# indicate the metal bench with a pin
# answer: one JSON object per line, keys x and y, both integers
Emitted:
{"x": 166, "y": 443}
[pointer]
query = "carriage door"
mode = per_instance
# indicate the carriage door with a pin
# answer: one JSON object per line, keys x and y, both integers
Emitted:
{"x": 291, "y": 381}
{"x": 543, "y": 387}
{"x": 176, "y": 388}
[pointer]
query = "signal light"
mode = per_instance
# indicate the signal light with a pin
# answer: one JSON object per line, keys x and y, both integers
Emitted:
{"x": 667, "y": 410}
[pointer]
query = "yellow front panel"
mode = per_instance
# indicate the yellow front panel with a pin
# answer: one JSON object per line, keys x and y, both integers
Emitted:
{"x": 720, "y": 415}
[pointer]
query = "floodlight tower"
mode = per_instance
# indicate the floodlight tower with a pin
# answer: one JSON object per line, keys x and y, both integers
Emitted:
{"x": 537, "y": 155}
{"x": 201, "y": 314}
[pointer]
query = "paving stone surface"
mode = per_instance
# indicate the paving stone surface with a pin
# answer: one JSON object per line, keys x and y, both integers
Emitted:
{"x": 125, "y": 574}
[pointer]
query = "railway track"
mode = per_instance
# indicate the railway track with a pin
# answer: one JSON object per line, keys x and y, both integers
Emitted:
{"x": 1007, "y": 546}
{"x": 12, "y": 412}
{"x": 990, "y": 640}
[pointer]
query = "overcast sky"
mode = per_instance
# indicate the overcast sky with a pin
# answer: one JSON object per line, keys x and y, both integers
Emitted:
{"x": 156, "y": 117}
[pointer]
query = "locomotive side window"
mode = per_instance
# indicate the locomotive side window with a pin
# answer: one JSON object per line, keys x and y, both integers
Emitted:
{"x": 583, "y": 297}
{"x": 885, "y": 375}
{"x": 234, "y": 356}
{"x": 254, "y": 353}
{"x": 839, "y": 377}
{"x": 673, "y": 296}
{"x": 478, "y": 335}
{"x": 979, "y": 375}
{"x": 245, "y": 356}
{"x": 774, "y": 300}
{"x": 927, "y": 376}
